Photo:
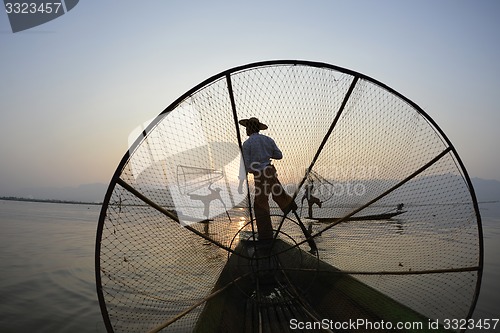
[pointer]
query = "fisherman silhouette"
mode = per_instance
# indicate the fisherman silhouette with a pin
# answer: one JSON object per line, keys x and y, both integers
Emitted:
{"x": 311, "y": 199}
{"x": 208, "y": 198}
{"x": 258, "y": 150}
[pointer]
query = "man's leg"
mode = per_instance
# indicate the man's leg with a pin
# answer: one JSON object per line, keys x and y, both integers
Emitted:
{"x": 279, "y": 194}
{"x": 261, "y": 209}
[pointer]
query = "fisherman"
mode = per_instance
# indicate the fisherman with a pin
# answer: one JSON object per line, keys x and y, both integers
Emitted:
{"x": 311, "y": 199}
{"x": 207, "y": 199}
{"x": 258, "y": 150}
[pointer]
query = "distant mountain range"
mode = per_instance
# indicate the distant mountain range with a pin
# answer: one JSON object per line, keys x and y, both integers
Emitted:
{"x": 487, "y": 192}
{"x": 83, "y": 193}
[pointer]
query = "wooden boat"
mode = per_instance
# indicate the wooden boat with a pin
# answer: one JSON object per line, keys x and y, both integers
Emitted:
{"x": 383, "y": 216}
{"x": 289, "y": 290}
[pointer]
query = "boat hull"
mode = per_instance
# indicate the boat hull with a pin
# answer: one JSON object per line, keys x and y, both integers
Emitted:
{"x": 299, "y": 291}
{"x": 384, "y": 216}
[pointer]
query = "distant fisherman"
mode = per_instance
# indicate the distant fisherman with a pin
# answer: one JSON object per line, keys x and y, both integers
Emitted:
{"x": 258, "y": 150}
{"x": 311, "y": 199}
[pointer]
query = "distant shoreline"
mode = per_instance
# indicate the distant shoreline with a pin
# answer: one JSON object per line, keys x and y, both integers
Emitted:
{"x": 50, "y": 201}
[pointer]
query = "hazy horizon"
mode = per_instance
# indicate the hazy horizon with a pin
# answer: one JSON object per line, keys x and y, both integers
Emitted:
{"x": 486, "y": 190}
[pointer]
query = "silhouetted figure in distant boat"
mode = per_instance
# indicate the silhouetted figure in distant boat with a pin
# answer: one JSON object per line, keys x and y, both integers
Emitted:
{"x": 311, "y": 199}
{"x": 207, "y": 199}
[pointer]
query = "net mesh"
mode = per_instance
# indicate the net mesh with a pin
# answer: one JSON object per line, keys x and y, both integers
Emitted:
{"x": 173, "y": 217}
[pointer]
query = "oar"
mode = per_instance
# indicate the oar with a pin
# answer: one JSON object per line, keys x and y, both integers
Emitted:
{"x": 310, "y": 240}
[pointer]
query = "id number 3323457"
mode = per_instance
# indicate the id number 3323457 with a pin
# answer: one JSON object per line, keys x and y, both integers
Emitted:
{"x": 470, "y": 324}
{"x": 32, "y": 8}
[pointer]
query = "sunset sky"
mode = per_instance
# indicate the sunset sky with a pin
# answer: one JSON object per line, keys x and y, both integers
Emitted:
{"x": 73, "y": 89}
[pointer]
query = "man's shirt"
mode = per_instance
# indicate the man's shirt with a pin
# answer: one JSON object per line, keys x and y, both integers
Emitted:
{"x": 258, "y": 150}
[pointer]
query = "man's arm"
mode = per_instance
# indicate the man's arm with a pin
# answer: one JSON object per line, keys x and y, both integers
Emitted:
{"x": 277, "y": 154}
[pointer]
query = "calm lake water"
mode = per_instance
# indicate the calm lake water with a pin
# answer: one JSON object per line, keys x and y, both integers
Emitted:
{"x": 47, "y": 279}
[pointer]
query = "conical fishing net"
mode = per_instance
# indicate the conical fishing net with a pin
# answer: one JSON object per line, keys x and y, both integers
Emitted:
{"x": 387, "y": 227}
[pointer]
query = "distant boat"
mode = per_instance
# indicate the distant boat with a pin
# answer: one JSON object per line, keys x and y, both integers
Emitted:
{"x": 383, "y": 216}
